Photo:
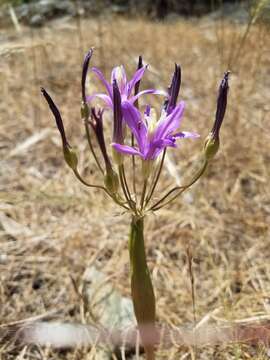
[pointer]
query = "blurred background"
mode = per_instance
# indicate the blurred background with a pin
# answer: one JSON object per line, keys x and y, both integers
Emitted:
{"x": 53, "y": 231}
{"x": 36, "y": 12}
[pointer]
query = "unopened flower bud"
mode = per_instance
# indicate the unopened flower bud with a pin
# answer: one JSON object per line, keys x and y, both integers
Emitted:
{"x": 211, "y": 145}
{"x": 97, "y": 125}
{"x": 118, "y": 136}
{"x": 111, "y": 181}
{"x": 69, "y": 154}
{"x": 137, "y": 85}
{"x": 173, "y": 90}
{"x": 84, "y": 73}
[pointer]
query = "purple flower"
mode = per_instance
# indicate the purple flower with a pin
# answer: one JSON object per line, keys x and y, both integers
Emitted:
{"x": 152, "y": 136}
{"x": 125, "y": 87}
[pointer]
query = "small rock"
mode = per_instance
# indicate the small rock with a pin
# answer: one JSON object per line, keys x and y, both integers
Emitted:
{"x": 113, "y": 310}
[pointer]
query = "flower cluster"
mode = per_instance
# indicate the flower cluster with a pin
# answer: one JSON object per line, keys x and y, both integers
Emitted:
{"x": 139, "y": 133}
{"x": 143, "y": 136}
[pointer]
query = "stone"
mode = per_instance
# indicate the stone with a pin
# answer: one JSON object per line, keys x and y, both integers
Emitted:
{"x": 113, "y": 310}
{"x": 110, "y": 308}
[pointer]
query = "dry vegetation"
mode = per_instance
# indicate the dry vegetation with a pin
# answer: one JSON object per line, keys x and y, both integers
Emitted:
{"x": 52, "y": 228}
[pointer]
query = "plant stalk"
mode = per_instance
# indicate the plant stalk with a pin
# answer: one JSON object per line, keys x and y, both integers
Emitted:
{"x": 142, "y": 291}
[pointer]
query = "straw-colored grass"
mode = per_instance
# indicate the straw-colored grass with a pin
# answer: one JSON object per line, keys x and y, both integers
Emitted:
{"x": 52, "y": 228}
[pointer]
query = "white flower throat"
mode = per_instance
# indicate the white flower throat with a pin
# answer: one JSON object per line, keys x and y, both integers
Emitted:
{"x": 152, "y": 122}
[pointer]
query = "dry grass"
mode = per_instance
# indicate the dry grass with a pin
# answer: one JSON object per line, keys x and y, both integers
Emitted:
{"x": 52, "y": 228}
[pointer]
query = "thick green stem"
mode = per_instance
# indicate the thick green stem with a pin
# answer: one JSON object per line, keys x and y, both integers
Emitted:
{"x": 141, "y": 287}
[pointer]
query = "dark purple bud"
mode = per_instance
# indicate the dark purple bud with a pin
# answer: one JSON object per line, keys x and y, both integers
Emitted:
{"x": 57, "y": 116}
{"x": 118, "y": 136}
{"x": 117, "y": 115}
{"x": 211, "y": 145}
{"x": 111, "y": 178}
{"x": 221, "y": 105}
{"x": 140, "y": 62}
{"x": 173, "y": 89}
{"x": 97, "y": 125}
{"x": 137, "y": 85}
{"x": 69, "y": 154}
{"x": 84, "y": 72}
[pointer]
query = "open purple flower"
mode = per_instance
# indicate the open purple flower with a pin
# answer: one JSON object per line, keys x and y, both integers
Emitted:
{"x": 152, "y": 136}
{"x": 125, "y": 87}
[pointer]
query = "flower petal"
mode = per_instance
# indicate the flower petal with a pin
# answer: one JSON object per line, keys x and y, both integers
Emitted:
{"x": 148, "y": 91}
{"x": 125, "y": 149}
{"x": 156, "y": 147}
{"x": 186, "y": 134}
{"x": 136, "y": 77}
{"x": 170, "y": 123}
{"x": 103, "y": 97}
{"x": 137, "y": 126}
{"x": 166, "y": 142}
{"x": 103, "y": 80}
